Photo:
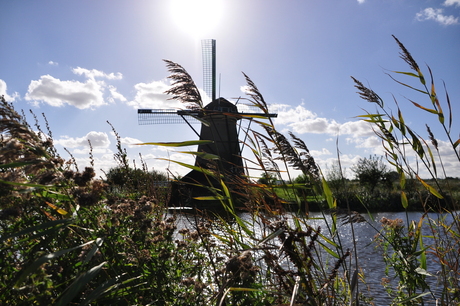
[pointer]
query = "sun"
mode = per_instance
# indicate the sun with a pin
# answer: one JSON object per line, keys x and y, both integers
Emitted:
{"x": 197, "y": 17}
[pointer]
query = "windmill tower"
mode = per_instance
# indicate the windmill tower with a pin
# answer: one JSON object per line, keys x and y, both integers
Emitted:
{"x": 219, "y": 121}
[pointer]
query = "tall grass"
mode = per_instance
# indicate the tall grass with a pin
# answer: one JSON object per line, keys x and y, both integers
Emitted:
{"x": 407, "y": 251}
{"x": 68, "y": 238}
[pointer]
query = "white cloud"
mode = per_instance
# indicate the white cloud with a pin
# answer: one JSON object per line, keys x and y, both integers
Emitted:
{"x": 436, "y": 15}
{"x": 303, "y": 121}
{"x": 452, "y": 2}
{"x": 151, "y": 95}
{"x": 288, "y": 115}
{"x": 3, "y": 89}
{"x": 361, "y": 1}
{"x": 130, "y": 142}
{"x": 316, "y": 126}
{"x": 356, "y": 128}
{"x": 58, "y": 93}
{"x": 98, "y": 140}
{"x": 115, "y": 95}
{"x": 52, "y": 63}
{"x": 93, "y": 73}
{"x": 316, "y": 153}
{"x": 372, "y": 142}
{"x": 88, "y": 94}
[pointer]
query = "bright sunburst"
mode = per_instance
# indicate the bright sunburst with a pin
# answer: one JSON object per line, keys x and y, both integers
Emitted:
{"x": 197, "y": 17}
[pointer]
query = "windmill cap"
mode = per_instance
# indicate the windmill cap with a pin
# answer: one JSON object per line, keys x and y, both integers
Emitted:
{"x": 222, "y": 105}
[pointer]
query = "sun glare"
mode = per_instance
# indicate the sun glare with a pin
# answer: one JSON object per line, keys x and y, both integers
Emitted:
{"x": 197, "y": 17}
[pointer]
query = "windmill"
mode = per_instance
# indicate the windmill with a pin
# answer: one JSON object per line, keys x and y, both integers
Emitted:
{"x": 219, "y": 124}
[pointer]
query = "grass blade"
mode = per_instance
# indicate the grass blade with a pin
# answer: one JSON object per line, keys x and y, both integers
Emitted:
{"x": 71, "y": 292}
{"x": 38, "y": 228}
{"x": 176, "y": 144}
{"x": 36, "y": 264}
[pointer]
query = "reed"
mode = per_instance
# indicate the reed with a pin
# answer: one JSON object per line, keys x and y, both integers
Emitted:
{"x": 69, "y": 238}
{"x": 408, "y": 251}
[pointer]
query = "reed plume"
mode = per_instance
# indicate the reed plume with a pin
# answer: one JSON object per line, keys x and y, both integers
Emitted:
{"x": 183, "y": 87}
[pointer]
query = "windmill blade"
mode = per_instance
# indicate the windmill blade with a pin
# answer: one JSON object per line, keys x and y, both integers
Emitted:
{"x": 209, "y": 67}
{"x": 167, "y": 116}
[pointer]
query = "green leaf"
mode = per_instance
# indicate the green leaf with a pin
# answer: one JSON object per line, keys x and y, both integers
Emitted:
{"x": 354, "y": 285}
{"x": 433, "y": 163}
{"x": 430, "y": 188}
{"x": 176, "y": 144}
{"x": 404, "y": 201}
{"x": 369, "y": 116}
{"x": 37, "y": 229}
{"x": 330, "y": 251}
{"x": 71, "y": 292}
{"x": 407, "y": 73}
{"x": 100, "y": 291}
{"x": 93, "y": 250}
{"x": 244, "y": 289}
{"x": 211, "y": 198}
{"x": 424, "y": 92}
{"x": 54, "y": 195}
{"x": 456, "y": 143}
{"x": 402, "y": 124}
{"x": 199, "y": 169}
{"x": 26, "y": 184}
{"x": 252, "y": 116}
{"x": 36, "y": 264}
{"x": 271, "y": 236}
{"x": 204, "y": 122}
{"x": 416, "y": 144}
{"x": 202, "y": 155}
{"x": 414, "y": 297}
{"x": 328, "y": 194}
{"x": 57, "y": 209}
{"x": 421, "y": 77}
{"x": 422, "y": 272}
{"x": 19, "y": 164}
{"x": 105, "y": 287}
{"x": 335, "y": 245}
{"x": 433, "y": 111}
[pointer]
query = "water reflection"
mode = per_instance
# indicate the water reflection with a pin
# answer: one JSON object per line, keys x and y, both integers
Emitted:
{"x": 361, "y": 235}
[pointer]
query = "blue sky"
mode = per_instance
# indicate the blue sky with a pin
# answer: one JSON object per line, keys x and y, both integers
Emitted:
{"x": 83, "y": 63}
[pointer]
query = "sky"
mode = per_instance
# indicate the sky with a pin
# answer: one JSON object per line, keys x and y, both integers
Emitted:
{"x": 83, "y": 63}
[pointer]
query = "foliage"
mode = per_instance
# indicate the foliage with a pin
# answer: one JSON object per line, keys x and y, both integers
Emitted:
{"x": 401, "y": 252}
{"x": 64, "y": 242}
{"x": 70, "y": 239}
{"x": 131, "y": 181}
{"x": 267, "y": 179}
{"x": 406, "y": 250}
{"x": 370, "y": 172}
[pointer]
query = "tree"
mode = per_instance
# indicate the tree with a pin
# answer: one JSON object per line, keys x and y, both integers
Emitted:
{"x": 336, "y": 179}
{"x": 370, "y": 171}
{"x": 304, "y": 185}
{"x": 134, "y": 180}
{"x": 267, "y": 178}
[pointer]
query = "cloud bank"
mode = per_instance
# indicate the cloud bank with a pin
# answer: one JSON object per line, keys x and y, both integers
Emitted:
{"x": 151, "y": 95}
{"x": 3, "y": 92}
{"x": 303, "y": 121}
{"x": 437, "y": 14}
{"x": 82, "y": 95}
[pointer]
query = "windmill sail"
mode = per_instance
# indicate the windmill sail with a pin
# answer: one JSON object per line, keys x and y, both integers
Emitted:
{"x": 166, "y": 116}
{"x": 209, "y": 67}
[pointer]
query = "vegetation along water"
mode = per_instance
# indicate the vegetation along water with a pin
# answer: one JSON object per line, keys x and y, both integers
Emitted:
{"x": 68, "y": 238}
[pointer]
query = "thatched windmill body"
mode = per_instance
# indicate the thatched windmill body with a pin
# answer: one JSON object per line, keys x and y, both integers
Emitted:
{"x": 219, "y": 119}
